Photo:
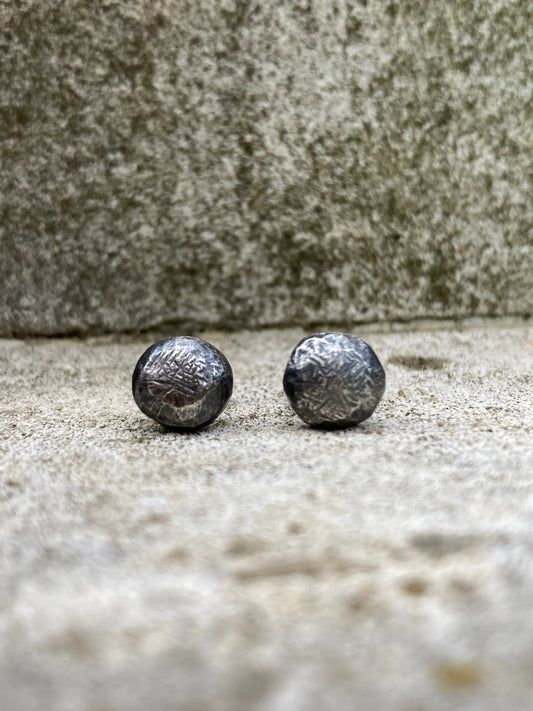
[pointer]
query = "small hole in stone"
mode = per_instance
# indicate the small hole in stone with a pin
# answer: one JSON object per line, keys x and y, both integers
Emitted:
{"x": 458, "y": 675}
{"x": 414, "y": 586}
{"x": 419, "y": 362}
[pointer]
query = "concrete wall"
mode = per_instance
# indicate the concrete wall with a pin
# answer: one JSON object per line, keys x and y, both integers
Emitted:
{"x": 243, "y": 163}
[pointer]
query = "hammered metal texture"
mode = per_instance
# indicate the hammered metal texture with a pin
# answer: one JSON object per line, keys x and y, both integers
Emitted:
{"x": 333, "y": 380}
{"x": 182, "y": 382}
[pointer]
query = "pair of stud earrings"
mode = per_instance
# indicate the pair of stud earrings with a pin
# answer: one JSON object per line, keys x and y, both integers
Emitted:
{"x": 331, "y": 380}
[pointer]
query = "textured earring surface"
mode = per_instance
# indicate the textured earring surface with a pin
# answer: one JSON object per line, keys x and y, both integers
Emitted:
{"x": 182, "y": 382}
{"x": 333, "y": 380}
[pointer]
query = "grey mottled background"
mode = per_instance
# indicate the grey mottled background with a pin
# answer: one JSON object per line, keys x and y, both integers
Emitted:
{"x": 254, "y": 163}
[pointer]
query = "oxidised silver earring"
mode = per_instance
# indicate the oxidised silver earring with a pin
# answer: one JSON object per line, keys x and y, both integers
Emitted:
{"x": 182, "y": 382}
{"x": 333, "y": 380}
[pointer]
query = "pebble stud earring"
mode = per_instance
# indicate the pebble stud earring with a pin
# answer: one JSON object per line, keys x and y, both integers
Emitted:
{"x": 333, "y": 380}
{"x": 183, "y": 383}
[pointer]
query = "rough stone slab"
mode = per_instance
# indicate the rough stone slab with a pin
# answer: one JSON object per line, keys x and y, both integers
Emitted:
{"x": 245, "y": 163}
{"x": 261, "y": 565}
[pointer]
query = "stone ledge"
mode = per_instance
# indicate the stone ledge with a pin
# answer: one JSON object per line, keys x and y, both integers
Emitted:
{"x": 260, "y": 561}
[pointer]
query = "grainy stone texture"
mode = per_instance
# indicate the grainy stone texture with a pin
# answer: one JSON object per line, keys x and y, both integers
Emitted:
{"x": 247, "y": 163}
{"x": 261, "y": 565}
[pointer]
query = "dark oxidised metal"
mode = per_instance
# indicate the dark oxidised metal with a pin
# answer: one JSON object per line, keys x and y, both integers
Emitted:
{"x": 333, "y": 380}
{"x": 182, "y": 382}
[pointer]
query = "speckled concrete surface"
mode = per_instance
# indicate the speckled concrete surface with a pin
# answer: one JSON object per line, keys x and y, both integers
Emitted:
{"x": 244, "y": 163}
{"x": 261, "y": 564}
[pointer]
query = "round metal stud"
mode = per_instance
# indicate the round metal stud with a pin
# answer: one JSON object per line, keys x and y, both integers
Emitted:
{"x": 182, "y": 382}
{"x": 333, "y": 380}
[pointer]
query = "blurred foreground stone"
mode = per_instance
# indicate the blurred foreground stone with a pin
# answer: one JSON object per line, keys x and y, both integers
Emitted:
{"x": 261, "y": 565}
